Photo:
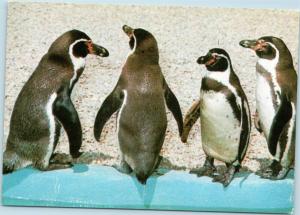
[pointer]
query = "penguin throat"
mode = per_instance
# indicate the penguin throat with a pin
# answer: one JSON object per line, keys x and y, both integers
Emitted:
{"x": 138, "y": 58}
{"x": 270, "y": 64}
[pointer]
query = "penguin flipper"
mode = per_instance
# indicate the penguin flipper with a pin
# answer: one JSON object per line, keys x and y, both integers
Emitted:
{"x": 282, "y": 116}
{"x": 65, "y": 112}
{"x": 245, "y": 130}
{"x": 190, "y": 119}
{"x": 174, "y": 107}
{"x": 257, "y": 122}
{"x": 110, "y": 105}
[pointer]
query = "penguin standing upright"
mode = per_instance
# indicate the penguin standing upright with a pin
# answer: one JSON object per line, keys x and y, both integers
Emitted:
{"x": 44, "y": 104}
{"x": 276, "y": 99}
{"x": 224, "y": 116}
{"x": 140, "y": 96}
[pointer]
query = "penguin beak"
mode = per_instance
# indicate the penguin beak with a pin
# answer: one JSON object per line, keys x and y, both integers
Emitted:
{"x": 96, "y": 49}
{"x": 128, "y": 30}
{"x": 208, "y": 59}
{"x": 251, "y": 44}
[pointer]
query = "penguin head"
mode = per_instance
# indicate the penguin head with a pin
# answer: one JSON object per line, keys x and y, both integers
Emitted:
{"x": 264, "y": 47}
{"x": 141, "y": 41}
{"x": 216, "y": 60}
{"x": 269, "y": 48}
{"x": 76, "y": 44}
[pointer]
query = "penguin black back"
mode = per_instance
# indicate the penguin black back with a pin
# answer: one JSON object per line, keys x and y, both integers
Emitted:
{"x": 140, "y": 97}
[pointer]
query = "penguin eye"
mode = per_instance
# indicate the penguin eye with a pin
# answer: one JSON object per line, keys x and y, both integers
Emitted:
{"x": 261, "y": 45}
{"x": 216, "y": 57}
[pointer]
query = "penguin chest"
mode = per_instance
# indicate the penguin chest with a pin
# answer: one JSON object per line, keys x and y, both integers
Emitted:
{"x": 220, "y": 130}
{"x": 265, "y": 102}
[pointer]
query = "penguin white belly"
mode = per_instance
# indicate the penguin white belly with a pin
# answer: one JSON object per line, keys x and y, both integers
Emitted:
{"x": 220, "y": 130}
{"x": 264, "y": 103}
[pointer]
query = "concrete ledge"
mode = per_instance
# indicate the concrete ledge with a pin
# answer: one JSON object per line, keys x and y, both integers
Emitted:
{"x": 94, "y": 186}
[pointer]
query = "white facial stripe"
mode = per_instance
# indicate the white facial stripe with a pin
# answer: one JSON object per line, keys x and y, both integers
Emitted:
{"x": 223, "y": 78}
{"x": 78, "y": 62}
{"x": 51, "y": 128}
{"x": 134, "y": 46}
{"x": 270, "y": 67}
{"x": 221, "y": 55}
{"x": 121, "y": 109}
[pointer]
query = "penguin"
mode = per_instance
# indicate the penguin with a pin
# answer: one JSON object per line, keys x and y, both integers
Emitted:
{"x": 140, "y": 96}
{"x": 276, "y": 99}
{"x": 224, "y": 117}
{"x": 44, "y": 105}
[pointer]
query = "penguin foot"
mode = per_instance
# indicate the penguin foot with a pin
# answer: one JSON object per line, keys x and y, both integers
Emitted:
{"x": 227, "y": 177}
{"x": 273, "y": 176}
{"x": 56, "y": 166}
{"x": 123, "y": 167}
{"x": 204, "y": 171}
{"x": 53, "y": 166}
{"x": 61, "y": 158}
{"x": 272, "y": 171}
{"x": 208, "y": 168}
{"x": 9, "y": 162}
{"x": 266, "y": 173}
{"x": 224, "y": 179}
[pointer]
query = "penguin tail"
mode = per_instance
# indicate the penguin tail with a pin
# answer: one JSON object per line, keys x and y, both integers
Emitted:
{"x": 142, "y": 178}
{"x": 143, "y": 173}
{"x": 10, "y": 160}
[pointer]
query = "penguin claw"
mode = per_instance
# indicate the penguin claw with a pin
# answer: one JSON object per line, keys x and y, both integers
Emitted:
{"x": 61, "y": 158}
{"x": 227, "y": 177}
{"x": 267, "y": 174}
{"x": 59, "y": 166}
{"x": 223, "y": 179}
{"x": 203, "y": 171}
{"x": 273, "y": 172}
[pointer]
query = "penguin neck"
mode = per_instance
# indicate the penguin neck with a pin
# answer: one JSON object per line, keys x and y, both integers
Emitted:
{"x": 270, "y": 64}
{"x": 282, "y": 60}
{"x": 220, "y": 76}
{"x": 137, "y": 58}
